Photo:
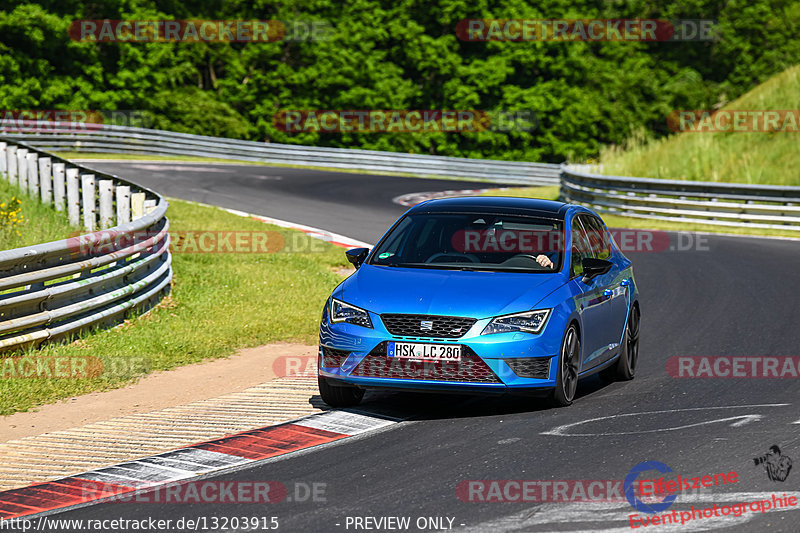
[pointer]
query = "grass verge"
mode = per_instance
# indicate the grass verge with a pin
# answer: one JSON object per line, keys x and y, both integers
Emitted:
{"x": 219, "y": 302}
{"x": 617, "y": 221}
{"x": 33, "y": 223}
{"x": 738, "y": 157}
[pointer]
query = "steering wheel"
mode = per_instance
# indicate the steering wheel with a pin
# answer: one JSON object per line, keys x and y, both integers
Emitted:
{"x": 531, "y": 257}
{"x": 458, "y": 255}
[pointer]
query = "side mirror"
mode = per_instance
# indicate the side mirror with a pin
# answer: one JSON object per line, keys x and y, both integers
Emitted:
{"x": 356, "y": 256}
{"x": 593, "y": 267}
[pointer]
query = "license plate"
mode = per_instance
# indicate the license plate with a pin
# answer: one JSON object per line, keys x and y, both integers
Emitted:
{"x": 425, "y": 352}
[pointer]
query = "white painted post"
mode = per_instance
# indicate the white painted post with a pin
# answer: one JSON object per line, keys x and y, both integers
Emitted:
{"x": 73, "y": 197}
{"x": 149, "y": 206}
{"x": 33, "y": 174}
{"x": 11, "y": 167}
{"x": 106, "y": 188}
{"x": 3, "y": 161}
{"x": 123, "y": 204}
{"x": 22, "y": 168}
{"x": 59, "y": 186}
{"x": 89, "y": 201}
{"x": 46, "y": 180}
{"x": 137, "y": 205}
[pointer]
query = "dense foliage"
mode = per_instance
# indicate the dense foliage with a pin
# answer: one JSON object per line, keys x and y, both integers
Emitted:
{"x": 397, "y": 54}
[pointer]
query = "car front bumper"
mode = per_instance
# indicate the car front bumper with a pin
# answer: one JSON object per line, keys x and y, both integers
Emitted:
{"x": 354, "y": 355}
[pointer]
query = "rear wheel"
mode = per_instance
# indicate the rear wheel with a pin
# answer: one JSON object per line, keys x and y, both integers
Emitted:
{"x": 339, "y": 396}
{"x": 567, "y": 377}
{"x": 625, "y": 369}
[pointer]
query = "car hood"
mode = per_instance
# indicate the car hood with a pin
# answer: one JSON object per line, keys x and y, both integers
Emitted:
{"x": 383, "y": 289}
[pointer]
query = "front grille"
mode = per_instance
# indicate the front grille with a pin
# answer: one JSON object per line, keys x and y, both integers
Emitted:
{"x": 332, "y": 357}
{"x": 530, "y": 367}
{"x": 432, "y": 326}
{"x": 470, "y": 369}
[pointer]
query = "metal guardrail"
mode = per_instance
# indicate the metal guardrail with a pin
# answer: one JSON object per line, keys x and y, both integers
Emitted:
{"x": 720, "y": 204}
{"x": 101, "y": 138}
{"x": 756, "y": 206}
{"x": 121, "y": 262}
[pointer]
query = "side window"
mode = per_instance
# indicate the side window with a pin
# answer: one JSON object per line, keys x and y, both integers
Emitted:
{"x": 396, "y": 243}
{"x": 580, "y": 247}
{"x": 598, "y": 237}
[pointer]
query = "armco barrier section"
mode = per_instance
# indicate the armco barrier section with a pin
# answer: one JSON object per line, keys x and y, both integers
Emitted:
{"x": 119, "y": 262}
{"x": 756, "y": 206}
{"x": 97, "y": 138}
{"x": 720, "y": 204}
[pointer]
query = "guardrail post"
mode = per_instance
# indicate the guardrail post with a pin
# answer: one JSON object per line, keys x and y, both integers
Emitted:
{"x": 106, "y": 188}
{"x": 73, "y": 197}
{"x": 88, "y": 201}
{"x": 3, "y": 161}
{"x": 22, "y": 168}
{"x": 11, "y": 166}
{"x": 59, "y": 186}
{"x": 123, "y": 204}
{"x": 137, "y": 205}
{"x": 45, "y": 180}
{"x": 33, "y": 174}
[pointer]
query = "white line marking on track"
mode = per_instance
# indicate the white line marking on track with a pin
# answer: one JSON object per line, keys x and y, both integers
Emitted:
{"x": 560, "y": 431}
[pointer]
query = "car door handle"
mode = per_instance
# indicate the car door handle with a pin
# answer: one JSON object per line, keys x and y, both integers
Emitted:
{"x": 625, "y": 282}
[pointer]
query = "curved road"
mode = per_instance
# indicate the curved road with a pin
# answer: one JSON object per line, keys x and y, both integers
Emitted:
{"x": 723, "y": 296}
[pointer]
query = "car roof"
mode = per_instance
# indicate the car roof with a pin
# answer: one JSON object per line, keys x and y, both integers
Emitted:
{"x": 496, "y": 205}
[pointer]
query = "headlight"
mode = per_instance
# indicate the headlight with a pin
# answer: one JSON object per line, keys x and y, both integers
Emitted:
{"x": 529, "y": 322}
{"x": 342, "y": 312}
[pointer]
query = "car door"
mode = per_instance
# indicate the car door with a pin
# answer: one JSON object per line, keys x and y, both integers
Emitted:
{"x": 595, "y": 298}
{"x": 615, "y": 308}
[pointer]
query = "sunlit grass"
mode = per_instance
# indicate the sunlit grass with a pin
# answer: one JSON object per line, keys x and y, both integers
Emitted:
{"x": 758, "y": 158}
{"x": 219, "y": 302}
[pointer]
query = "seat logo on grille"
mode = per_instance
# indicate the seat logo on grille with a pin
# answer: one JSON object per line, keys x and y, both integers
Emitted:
{"x": 426, "y": 325}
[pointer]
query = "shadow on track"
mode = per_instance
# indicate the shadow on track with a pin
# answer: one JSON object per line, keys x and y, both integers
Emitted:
{"x": 438, "y": 406}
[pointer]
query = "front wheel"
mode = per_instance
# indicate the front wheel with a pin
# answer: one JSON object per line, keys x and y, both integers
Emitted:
{"x": 339, "y": 396}
{"x": 625, "y": 369}
{"x": 567, "y": 378}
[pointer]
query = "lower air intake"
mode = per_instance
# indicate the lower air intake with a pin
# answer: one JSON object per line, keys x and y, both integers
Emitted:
{"x": 530, "y": 367}
{"x": 332, "y": 358}
{"x": 471, "y": 368}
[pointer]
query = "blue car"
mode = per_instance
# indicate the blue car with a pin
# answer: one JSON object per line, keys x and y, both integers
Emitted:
{"x": 478, "y": 295}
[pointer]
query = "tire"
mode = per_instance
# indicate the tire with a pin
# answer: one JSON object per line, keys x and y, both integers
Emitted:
{"x": 625, "y": 369}
{"x": 339, "y": 396}
{"x": 567, "y": 378}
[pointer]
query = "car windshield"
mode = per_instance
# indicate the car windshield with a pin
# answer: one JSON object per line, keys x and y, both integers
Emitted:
{"x": 473, "y": 241}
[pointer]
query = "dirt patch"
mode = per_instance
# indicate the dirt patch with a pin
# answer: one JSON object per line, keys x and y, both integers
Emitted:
{"x": 344, "y": 271}
{"x": 249, "y": 367}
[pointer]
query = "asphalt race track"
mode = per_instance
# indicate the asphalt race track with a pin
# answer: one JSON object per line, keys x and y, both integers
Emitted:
{"x": 717, "y": 295}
